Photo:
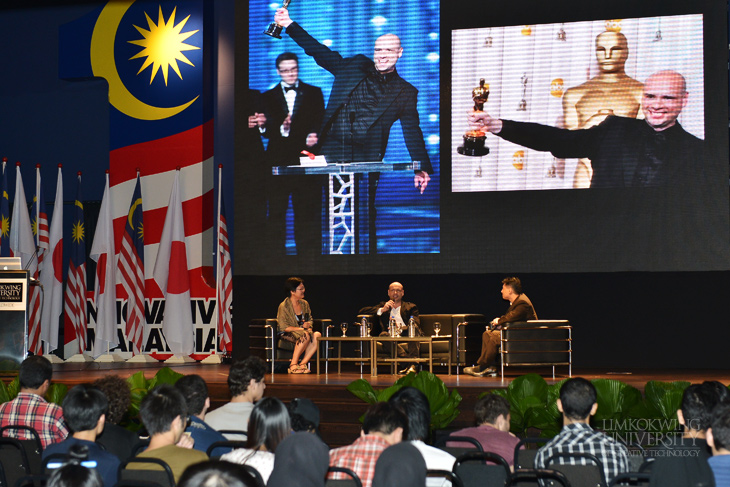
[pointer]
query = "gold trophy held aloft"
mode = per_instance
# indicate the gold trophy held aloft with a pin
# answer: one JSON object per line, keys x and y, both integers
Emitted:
{"x": 274, "y": 29}
{"x": 474, "y": 139}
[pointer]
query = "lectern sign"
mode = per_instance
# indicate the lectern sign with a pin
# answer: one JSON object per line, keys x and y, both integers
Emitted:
{"x": 12, "y": 295}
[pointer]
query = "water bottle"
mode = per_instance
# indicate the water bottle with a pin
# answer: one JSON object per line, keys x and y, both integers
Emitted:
{"x": 364, "y": 327}
{"x": 412, "y": 327}
{"x": 392, "y": 327}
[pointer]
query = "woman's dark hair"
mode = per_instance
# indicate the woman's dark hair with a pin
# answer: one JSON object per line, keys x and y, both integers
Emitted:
{"x": 292, "y": 284}
{"x": 72, "y": 474}
{"x": 268, "y": 424}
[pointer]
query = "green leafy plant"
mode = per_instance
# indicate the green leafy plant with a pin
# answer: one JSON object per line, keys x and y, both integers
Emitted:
{"x": 615, "y": 400}
{"x": 657, "y": 412}
{"x": 444, "y": 404}
{"x": 532, "y": 405}
{"x": 139, "y": 387}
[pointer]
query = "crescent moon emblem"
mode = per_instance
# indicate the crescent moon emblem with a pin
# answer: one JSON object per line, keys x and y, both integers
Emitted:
{"x": 134, "y": 206}
{"x": 104, "y": 66}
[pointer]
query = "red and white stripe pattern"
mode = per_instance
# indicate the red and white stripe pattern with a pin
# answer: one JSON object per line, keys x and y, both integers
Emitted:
{"x": 131, "y": 275}
{"x": 157, "y": 160}
{"x": 224, "y": 273}
{"x": 75, "y": 303}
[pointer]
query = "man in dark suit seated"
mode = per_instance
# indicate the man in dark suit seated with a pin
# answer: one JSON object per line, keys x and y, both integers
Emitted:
{"x": 520, "y": 309}
{"x": 400, "y": 311}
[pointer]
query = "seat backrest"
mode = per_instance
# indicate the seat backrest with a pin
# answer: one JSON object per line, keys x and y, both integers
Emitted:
{"x": 525, "y": 458}
{"x": 32, "y": 445}
{"x": 234, "y": 435}
{"x": 473, "y": 443}
{"x": 218, "y": 448}
{"x": 532, "y": 476}
{"x": 161, "y": 475}
{"x": 14, "y": 460}
{"x": 631, "y": 478}
{"x": 258, "y": 479}
{"x": 32, "y": 481}
{"x": 474, "y": 469}
{"x": 446, "y": 475}
{"x": 589, "y": 473}
{"x": 352, "y": 481}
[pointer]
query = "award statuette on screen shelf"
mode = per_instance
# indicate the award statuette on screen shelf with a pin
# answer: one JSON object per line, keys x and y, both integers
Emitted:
{"x": 274, "y": 29}
{"x": 474, "y": 139}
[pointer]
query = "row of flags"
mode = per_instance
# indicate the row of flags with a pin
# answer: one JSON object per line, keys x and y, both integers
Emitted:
{"x": 40, "y": 247}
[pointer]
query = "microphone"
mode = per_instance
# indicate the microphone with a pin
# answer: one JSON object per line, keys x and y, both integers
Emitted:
{"x": 32, "y": 258}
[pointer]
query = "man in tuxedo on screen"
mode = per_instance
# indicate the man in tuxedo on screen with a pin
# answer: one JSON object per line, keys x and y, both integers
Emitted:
{"x": 520, "y": 309}
{"x": 294, "y": 111}
{"x": 624, "y": 152}
{"x": 366, "y": 100}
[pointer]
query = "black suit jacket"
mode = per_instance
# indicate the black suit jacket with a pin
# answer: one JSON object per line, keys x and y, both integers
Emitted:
{"x": 306, "y": 119}
{"x": 616, "y": 148}
{"x": 399, "y": 104}
{"x": 407, "y": 310}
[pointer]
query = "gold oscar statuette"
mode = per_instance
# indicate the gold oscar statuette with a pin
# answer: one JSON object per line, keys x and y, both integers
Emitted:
{"x": 474, "y": 139}
{"x": 274, "y": 29}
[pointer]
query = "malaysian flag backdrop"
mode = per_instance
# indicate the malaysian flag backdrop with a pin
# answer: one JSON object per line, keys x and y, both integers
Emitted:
{"x": 224, "y": 276}
{"x": 161, "y": 119}
{"x": 131, "y": 271}
{"x": 75, "y": 300}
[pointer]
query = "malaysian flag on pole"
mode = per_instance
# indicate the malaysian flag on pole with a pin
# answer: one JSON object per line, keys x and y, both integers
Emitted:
{"x": 224, "y": 287}
{"x": 52, "y": 275}
{"x": 75, "y": 300}
{"x": 39, "y": 225}
{"x": 131, "y": 270}
{"x": 5, "y": 214}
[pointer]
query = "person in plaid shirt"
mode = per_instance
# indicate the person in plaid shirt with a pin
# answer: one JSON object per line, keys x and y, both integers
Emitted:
{"x": 578, "y": 403}
{"x": 30, "y": 409}
{"x": 384, "y": 425}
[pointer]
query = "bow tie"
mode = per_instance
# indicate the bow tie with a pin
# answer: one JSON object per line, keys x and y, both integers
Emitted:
{"x": 287, "y": 88}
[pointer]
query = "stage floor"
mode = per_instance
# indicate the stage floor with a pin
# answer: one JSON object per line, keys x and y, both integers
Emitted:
{"x": 75, "y": 373}
{"x": 340, "y": 410}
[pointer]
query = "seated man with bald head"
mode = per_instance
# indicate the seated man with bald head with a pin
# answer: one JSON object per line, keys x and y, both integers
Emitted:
{"x": 402, "y": 312}
{"x": 625, "y": 152}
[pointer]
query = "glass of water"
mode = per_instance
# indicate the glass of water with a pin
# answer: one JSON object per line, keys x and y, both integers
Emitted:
{"x": 437, "y": 328}
{"x": 343, "y": 327}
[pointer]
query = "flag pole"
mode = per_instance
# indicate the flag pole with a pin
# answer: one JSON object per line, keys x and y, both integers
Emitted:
{"x": 215, "y": 357}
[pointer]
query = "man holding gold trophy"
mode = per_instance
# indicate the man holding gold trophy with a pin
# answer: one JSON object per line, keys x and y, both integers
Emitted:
{"x": 367, "y": 98}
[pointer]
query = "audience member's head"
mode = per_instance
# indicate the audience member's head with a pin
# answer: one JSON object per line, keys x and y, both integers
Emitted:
{"x": 387, "y": 421}
{"x": 718, "y": 435}
{"x": 722, "y": 391}
{"x": 35, "y": 374}
{"x": 73, "y": 474}
{"x": 195, "y": 391}
{"x": 118, "y": 394}
{"x": 268, "y": 425}
{"x": 400, "y": 465}
{"x": 301, "y": 460}
{"x": 577, "y": 399}
{"x": 695, "y": 414}
{"x": 493, "y": 410}
{"x": 164, "y": 410}
{"x": 246, "y": 377}
{"x": 304, "y": 415}
{"x": 216, "y": 473}
{"x": 414, "y": 404}
{"x": 84, "y": 408}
